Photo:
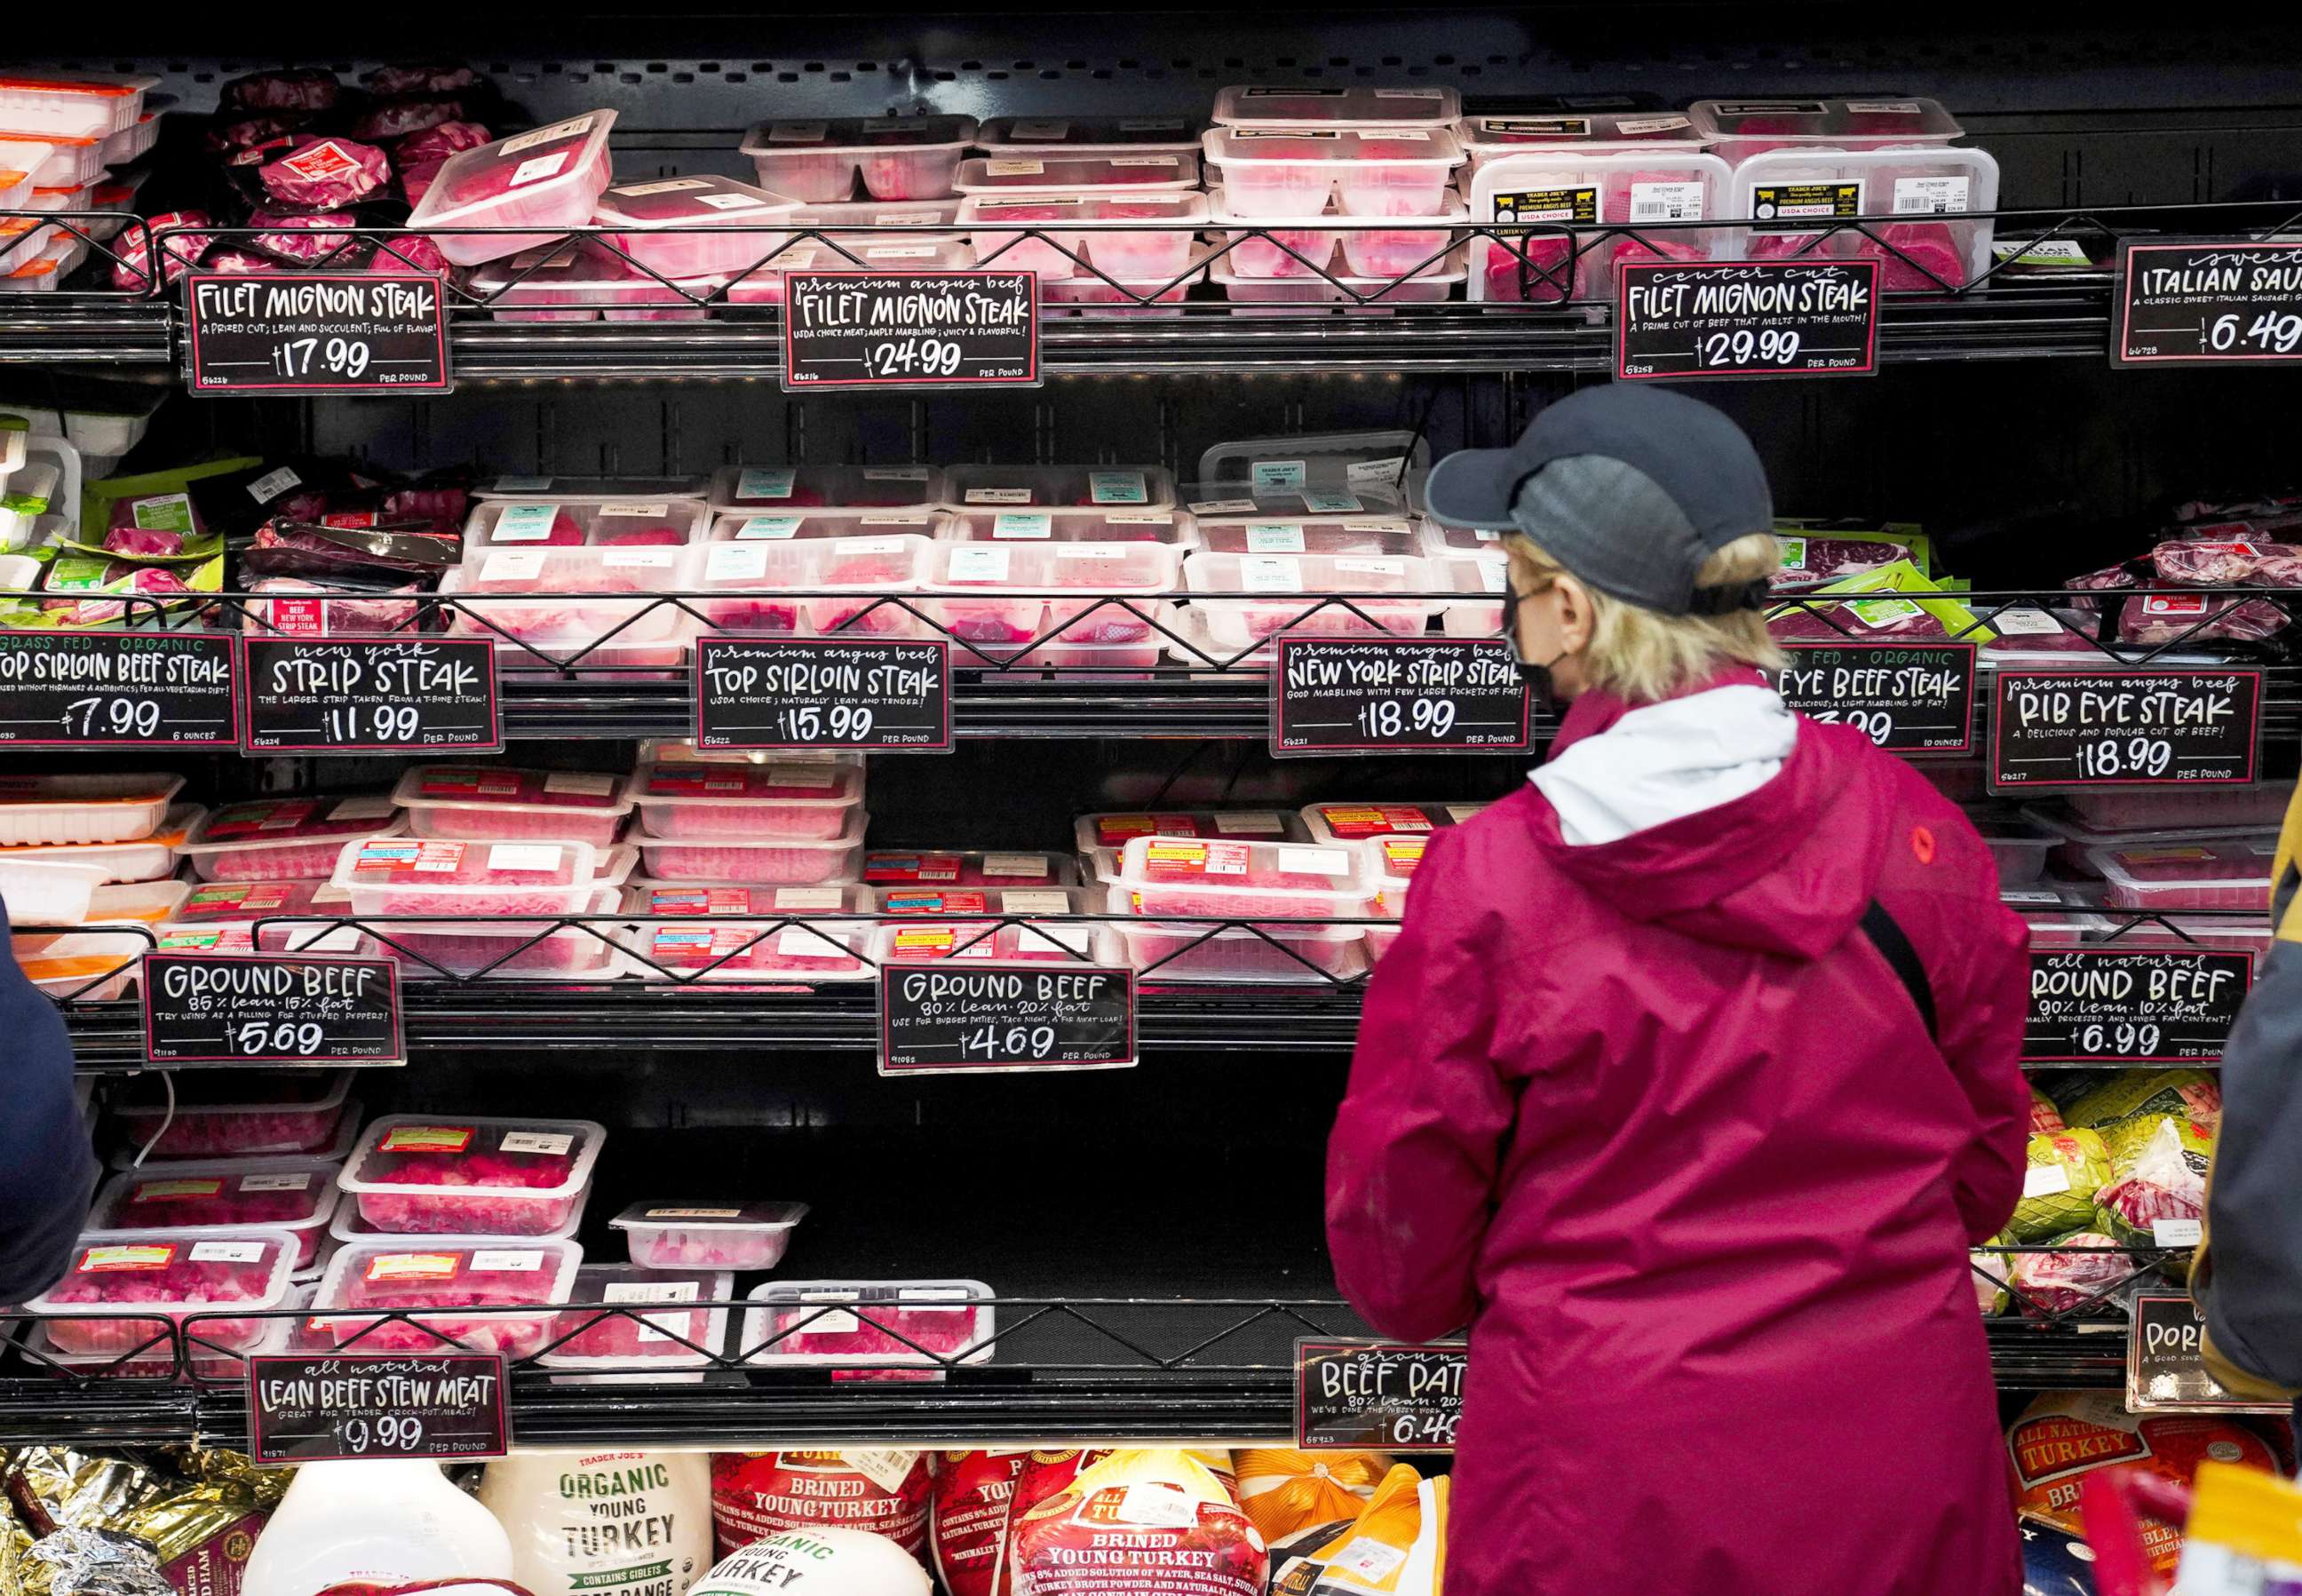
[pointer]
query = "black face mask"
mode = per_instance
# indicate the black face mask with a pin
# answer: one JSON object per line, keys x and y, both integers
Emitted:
{"x": 1537, "y": 677}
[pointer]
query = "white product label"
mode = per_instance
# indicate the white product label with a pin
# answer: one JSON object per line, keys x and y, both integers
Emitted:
{"x": 765, "y": 484}
{"x": 830, "y": 1324}
{"x": 1372, "y": 568}
{"x": 1021, "y": 131}
{"x": 376, "y": 807}
{"x": 901, "y": 252}
{"x": 535, "y": 171}
{"x": 549, "y": 1144}
{"x": 507, "y": 1260}
{"x": 657, "y": 511}
{"x": 656, "y": 1327}
{"x": 1884, "y": 107}
{"x": 1263, "y": 575}
{"x": 1331, "y": 503}
{"x": 1093, "y": 551}
{"x": 899, "y": 473}
{"x": 588, "y": 783}
{"x": 754, "y": 528}
{"x": 524, "y": 856}
{"x": 1223, "y": 506}
{"x": 1164, "y": 162}
{"x": 1054, "y": 939}
{"x": 1411, "y": 135}
{"x": 1650, "y": 124}
{"x": 823, "y": 777}
{"x": 846, "y": 546}
{"x": 1032, "y": 866}
{"x": 799, "y": 132}
{"x": 301, "y": 1181}
{"x": 1150, "y": 124}
{"x": 1361, "y": 472}
{"x": 801, "y": 900}
{"x": 945, "y": 1295}
{"x": 976, "y": 563}
{"x": 1117, "y": 487}
{"x": 1368, "y": 1560}
{"x": 644, "y": 559}
{"x": 1034, "y": 900}
{"x": 556, "y": 131}
{"x": 1274, "y": 537}
{"x": 2045, "y": 1180}
{"x": 268, "y": 487}
{"x": 1278, "y": 473}
{"x": 999, "y": 496}
{"x": 672, "y": 185}
{"x": 805, "y": 943}
{"x": 1314, "y": 861}
{"x": 1250, "y": 823}
{"x": 732, "y": 202}
{"x": 884, "y": 1466}
{"x": 2024, "y": 622}
{"x": 524, "y": 523}
{"x": 226, "y": 1252}
{"x": 1023, "y": 524}
{"x": 1013, "y": 168}
{"x": 2177, "y": 1233}
{"x": 1667, "y": 202}
{"x": 1931, "y": 196}
{"x": 512, "y": 564}
{"x": 734, "y": 562}
{"x": 2063, "y": 252}
{"x": 521, "y": 484}
{"x": 1156, "y": 1505}
{"x": 1494, "y": 576}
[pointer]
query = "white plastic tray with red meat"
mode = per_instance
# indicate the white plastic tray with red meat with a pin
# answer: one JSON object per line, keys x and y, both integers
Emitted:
{"x": 846, "y": 562}
{"x": 1286, "y": 496}
{"x": 1058, "y": 487}
{"x": 1176, "y": 527}
{"x": 1275, "y": 952}
{"x": 1099, "y": 837}
{"x": 1438, "y": 281}
{"x": 1825, "y": 617}
{"x": 239, "y": 909}
{"x": 2210, "y": 873}
{"x": 1052, "y": 233}
{"x": 1304, "y": 247}
{"x": 418, "y": 1276}
{"x": 629, "y": 1323}
{"x": 1738, "y": 129}
{"x": 859, "y": 220}
{"x": 622, "y": 522}
{"x": 1088, "y": 136}
{"x": 938, "y": 868}
{"x": 1246, "y": 599}
{"x": 297, "y": 1195}
{"x": 1344, "y": 537}
{"x": 1353, "y": 820}
{"x": 798, "y": 798}
{"x": 2239, "y": 805}
{"x": 1669, "y": 133}
{"x": 232, "y": 1114}
{"x": 694, "y": 226}
{"x": 1298, "y": 105}
{"x": 121, "y": 1285}
{"x": 503, "y": 948}
{"x": 774, "y": 490}
{"x": 747, "y": 1235}
{"x": 994, "y": 593}
{"x": 1281, "y": 172}
{"x": 1639, "y": 190}
{"x": 393, "y": 875}
{"x": 1233, "y": 878}
{"x": 835, "y": 1324}
{"x": 726, "y": 931}
{"x": 551, "y": 177}
{"x": 771, "y": 862}
{"x": 1058, "y": 176}
{"x": 503, "y": 803}
{"x": 285, "y": 839}
{"x": 1030, "y": 942}
{"x": 412, "y": 1174}
{"x": 582, "y": 281}
{"x": 1916, "y": 193}
{"x": 897, "y": 157}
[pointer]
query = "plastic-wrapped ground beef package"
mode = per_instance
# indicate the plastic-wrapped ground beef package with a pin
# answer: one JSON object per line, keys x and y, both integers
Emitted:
{"x": 747, "y": 1236}
{"x": 297, "y": 1195}
{"x": 816, "y": 1562}
{"x": 121, "y": 1283}
{"x": 758, "y": 1493}
{"x": 496, "y": 803}
{"x": 623, "y": 1319}
{"x": 402, "y": 1275}
{"x": 225, "y": 1114}
{"x": 1812, "y": 561}
{"x": 474, "y": 1177}
{"x": 971, "y": 1493}
{"x": 1140, "y": 1523}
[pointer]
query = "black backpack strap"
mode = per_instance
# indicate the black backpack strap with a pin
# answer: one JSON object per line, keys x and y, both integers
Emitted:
{"x": 1895, "y": 948}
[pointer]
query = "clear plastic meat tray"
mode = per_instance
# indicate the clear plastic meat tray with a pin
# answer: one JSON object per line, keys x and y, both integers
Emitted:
{"x": 1740, "y": 129}
{"x": 400, "y": 1275}
{"x": 80, "y": 807}
{"x": 499, "y": 803}
{"x": 1099, "y": 837}
{"x": 1653, "y": 194}
{"x": 1052, "y": 176}
{"x": 1791, "y": 196}
{"x": 801, "y": 800}
{"x": 1296, "y": 107}
{"x": 694, "y": 226}
{"x": 1088, "y": 136}
{"x": 1058, "y": 487}
{"x": 777, "y": 489}
{"x": 414, "y": 1175}
{"x": 1072, "y": 225}
{"x": 286, "y": 839}
{"x": 297, "y": 1195}
{"x": 1402, "y": 171}
{"x": 227, "y": 1115}
{"x": 1228, "y": 876}
{"x": 777, "y": 861}
{"x": 427, "y": 876}
{"x": 853, "y": 1323}
{"x": 121, "y": 1283}
{"x": 689, "y": 1234}
{"x": 1354, "y": 820}
{"x": 629, "y": 1344}
{"x": 846, "y": 577}
{"x": 897, "y": 157}
{"x": 550, "y": 179}
{"x": 1273, "y": 594}
{"x": 2220, "y": 873}
{"x": 990, "y": 591}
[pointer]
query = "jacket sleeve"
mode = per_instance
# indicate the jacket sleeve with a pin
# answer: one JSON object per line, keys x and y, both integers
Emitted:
{"x": 2248, "y": 1275}
{"x": 47, "y": 1170}
{"x": 1981, "y": 1038}
{"x": 1411, "y": 1163}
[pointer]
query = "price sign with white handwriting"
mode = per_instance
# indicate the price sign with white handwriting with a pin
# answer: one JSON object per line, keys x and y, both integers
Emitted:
{"x": 1763, "y": 318}
{"x": 313, "y": 332}
{"x": 1396, "y": 695}
{"x": 2117, "y": 1005}
{"x": 1381, "y": 1395}
{"x": 1913, "y": 697}
{"x": 958, "y": 1017}
{"x": 131, "y": 689}
{"x": 257, "y": 1009}
{"x": 371, "y": 695}
{"x": 2051, "y": 729}
{"x": 336, "y": 1407}
{"x": 822, "y": 692}
{"x": 910, "y": 330}
{"x": 2209, "y": 302}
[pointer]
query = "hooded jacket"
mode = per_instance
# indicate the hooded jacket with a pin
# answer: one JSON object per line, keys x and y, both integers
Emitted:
{"x": 47, "y": 1169}
{"x": 1637, "y": 1100}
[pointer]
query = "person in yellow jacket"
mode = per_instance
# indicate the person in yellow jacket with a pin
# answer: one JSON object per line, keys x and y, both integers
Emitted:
{"x": 2248, "y": 1277}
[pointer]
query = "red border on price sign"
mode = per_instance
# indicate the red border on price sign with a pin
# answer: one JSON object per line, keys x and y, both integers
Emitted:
{"x": 389, "y": 967}
{"x": 1030, "y": 378}
{"x": 237, "y": 686}
{"x": 699, "y": 665}
{"x": 226, "y": 387}
{"x": 1308, "y": 1346}
{"x": 1626, "y": 275}
{"x": 2130, "y": 250}
{"x": 2003, "y": 681}
{"x": 484, "y": 646}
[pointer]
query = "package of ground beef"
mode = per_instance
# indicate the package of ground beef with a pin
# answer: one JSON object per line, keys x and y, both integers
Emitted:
{"x": 1140, "y": 1523}
{"x": 883, "y": 1490}
{"x": 971, "y": 1493}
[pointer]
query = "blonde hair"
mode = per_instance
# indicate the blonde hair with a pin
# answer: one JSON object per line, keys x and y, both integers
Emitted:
{"x": 1642, "y": 655}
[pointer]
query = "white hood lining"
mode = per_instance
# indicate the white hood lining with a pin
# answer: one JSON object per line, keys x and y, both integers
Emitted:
{"x": 1668, "y": 761}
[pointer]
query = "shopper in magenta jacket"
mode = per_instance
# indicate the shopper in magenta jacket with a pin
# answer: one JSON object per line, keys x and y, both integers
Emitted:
{"x": 1689, "y": 1080}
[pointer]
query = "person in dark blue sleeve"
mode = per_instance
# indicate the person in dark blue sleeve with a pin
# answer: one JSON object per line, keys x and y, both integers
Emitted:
{"x": 47, "y": 1169}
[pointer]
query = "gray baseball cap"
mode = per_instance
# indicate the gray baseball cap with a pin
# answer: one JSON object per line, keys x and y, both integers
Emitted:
{"x": 1629, "y": 487}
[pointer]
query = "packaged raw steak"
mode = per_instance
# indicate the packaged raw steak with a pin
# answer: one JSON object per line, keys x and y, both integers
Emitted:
{"x": 758, "y": 1493}
{"x": 548, "y": 179}
{"x": 499, "y": 803}
{"x": 285, "y": 839}
{"x": 1228, "y": 876}
{"x": 401, "y": 118}
{"x": 883, "y": 868}
{"x": 326, "y": 173}
{"x": 296, "y": 1195}
{"x": 179, "y": 252}
{"x": 1813, "y": 561}
{"x": 868, "y": 1325}
{"x": 446, "y": 76}
{"x": 228, "y": 1113}
{"x": 746, "y": 1235}
{"x": 311, "y": 89}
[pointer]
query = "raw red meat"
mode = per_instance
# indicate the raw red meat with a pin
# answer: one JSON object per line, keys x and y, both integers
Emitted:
{"x": 160, "y": 1276}
{"x": 216, "y": 1197}
{"x": 398, "y": 119}
{"x": 744, "y": 1236}
{"x": 252, "y": 834}
{"x": 1934, "y": 263}
{"x": 245, "y": 132}
{"x": 415, "y": 180}
{"x": 1174, "y": 876}
{"x": 439, "y": 504}
{"x": 641, "y": 537}
{"x": 310, "y": 90}
{"x": 749, "y": 801}
{"x": 295, "y": 240}
{"x": 242, "y": 260}
{"x": 497, "y": 784}
{"x": 963, "y": 869}
{"x": 1824, "y": 559}
{"x": 615, "y": 1316}
{"x": 867, "y": 1324}
{"x": 136, "y": 541}
{"x": 440, "y": 77}
{"x": 1042, "y": 942}
{"x": 221, "y": 1117}
{"x": 178, "y": 254}
{"x": 294, "y": 608}
{"x": 401, "y": 1277}
{"x": 2176, "y": 617}
{"x": 469, "y": 1178}
{"x": 326, "y": 172}
{"x": 793, "y": 861}
{"x": 1510, "y": 280}
{"x": 2046, "y": 1283}
{"x": 431, "y": 863}
{"x": 758, "y": 1493}
{"x": 434, "y": 144}
{"x": 1882, "y": 617}
{"x": 971, "y": 1493}
{"x": 2195, "y": 563}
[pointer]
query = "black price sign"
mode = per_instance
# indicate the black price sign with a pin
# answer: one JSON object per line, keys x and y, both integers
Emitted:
{"x": 255, "y": 1009}
{"x": 1913, "y": 697}
{"x": 2208, "y": 303}
{"x": 1772, "y": 318}
{"x": 2113, "y": 1005}
{"x": 363, "y": 695}
{"x": 910, "y": 330}
{"x": 822, "y": 692}
{"x": 2124, "y": 728}
{"x": 1396, "y": 695}
{"x": 1378, "y": 1396}
{"x": 119, "y": 690}
{"x": 313, "y": 332}
{"x": 337, "y": 1407}
{"x": 2166, "y": 1366}
{"x": 960, "y": 1018}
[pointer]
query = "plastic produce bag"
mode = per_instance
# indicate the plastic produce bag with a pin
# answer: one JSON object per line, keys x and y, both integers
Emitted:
{"x": 1286, "y": 1491}
{"x": 1396, "y": 1548}
{"x": 2159, "y": 1166}
{"x": 2066, "y": 1168}
{"x": 604, "y": 1523}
